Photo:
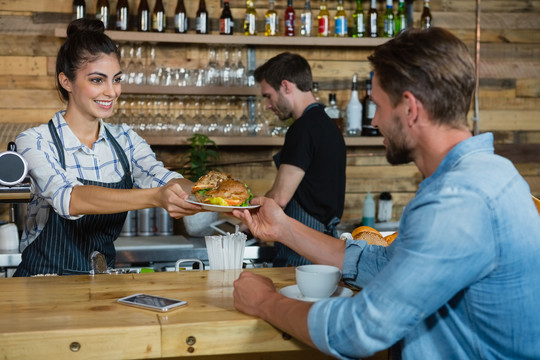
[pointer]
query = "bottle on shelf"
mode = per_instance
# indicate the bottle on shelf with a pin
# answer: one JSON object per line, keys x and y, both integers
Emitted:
{"x": 180, "y": 18}
{"x": 290, "y": 19}
{"x": 368, "y": 211}
{"x": 202, "y": 20}
{"x": 334, "y": 112}
{"x": 122, "y": 15}
{"x": 426, "y": 18}
{"x": 226, "y": 22}
{"x": 250, "y": 19}
{"x": 369, "y": 113}
{"x": 316, "y": 92}
{"x": 271, "y": 21}
{"x": 373, "y": 19}
{"x": 159, "y": 20}
{"x": 79, "y": 9}
{"x": 401, "y": 17}
{"x": 359, "y": 26}
{"x": 354, "y": 110}
{"x": 143, "y": 16}
{"x": 102, "y": 12}
{"x": 306, "y": 19}
{"x": 389, "y": 20}
{"x": 340, "y": 21}
{"x": 323, "y": 19}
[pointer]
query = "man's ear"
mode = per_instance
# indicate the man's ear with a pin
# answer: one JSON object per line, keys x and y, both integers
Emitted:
{"x": 411, "y": 107}
{"x": 287, "y": 86}
{"x": 64, "y": 82}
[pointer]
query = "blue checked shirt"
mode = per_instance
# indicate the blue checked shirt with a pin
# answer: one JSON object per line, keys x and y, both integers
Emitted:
{"x": 461, "y": 280}
{"x": 52, "y": 185}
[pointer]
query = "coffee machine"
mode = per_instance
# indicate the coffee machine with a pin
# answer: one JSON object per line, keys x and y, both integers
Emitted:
{"x": 14, "y": 190}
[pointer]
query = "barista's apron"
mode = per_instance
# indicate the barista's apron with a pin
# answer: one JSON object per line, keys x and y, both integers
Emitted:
{"x": 285, "y": 256}
{"x": 64, "y": 246}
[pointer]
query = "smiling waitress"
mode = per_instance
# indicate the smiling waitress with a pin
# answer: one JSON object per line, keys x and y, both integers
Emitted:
{"x": 86, "y": 173}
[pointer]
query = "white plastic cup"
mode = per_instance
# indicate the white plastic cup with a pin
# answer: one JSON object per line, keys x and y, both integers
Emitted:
{"x": 9, "y": 237}
{"x": 317, "y": 281}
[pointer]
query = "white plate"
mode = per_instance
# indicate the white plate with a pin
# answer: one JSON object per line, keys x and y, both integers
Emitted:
{"x": 293, "y": 292}
{"x": 221, "y": 208}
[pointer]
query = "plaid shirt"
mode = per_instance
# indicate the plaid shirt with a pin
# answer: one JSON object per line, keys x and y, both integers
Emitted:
{"x": 52, "y": 185}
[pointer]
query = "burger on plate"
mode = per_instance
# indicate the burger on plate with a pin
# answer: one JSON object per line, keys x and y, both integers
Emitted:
{"x": 221, "y": 189}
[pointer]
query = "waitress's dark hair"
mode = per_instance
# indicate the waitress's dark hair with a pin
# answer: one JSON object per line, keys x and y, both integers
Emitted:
{"x": 86, "y": 41}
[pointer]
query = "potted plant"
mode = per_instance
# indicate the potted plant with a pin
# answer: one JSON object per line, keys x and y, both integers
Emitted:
{"x": 202, "y": 151}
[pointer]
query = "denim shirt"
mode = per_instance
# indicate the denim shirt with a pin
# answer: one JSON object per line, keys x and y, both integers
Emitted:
{"x": 461, "y": 280}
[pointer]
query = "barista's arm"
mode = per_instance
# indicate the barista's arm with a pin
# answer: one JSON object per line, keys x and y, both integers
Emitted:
{"x": 287, "y": 180}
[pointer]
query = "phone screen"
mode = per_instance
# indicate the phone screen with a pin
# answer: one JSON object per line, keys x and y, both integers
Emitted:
{"x": 152, "y": 302}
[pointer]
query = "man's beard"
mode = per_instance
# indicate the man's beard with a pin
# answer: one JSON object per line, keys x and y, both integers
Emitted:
{"x": 398, "y": 152}
{"x": 283, "y": 108}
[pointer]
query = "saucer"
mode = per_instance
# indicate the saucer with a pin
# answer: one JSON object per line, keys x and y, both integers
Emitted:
{"x": 293, "y": 292}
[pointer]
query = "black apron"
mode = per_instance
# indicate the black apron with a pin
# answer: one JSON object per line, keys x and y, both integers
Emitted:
{"x": 64, "y": 246}
{"x": 285, "y": 256}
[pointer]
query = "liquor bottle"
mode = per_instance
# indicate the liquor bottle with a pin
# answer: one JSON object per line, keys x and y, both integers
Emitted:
{"x": 426, "y": 18}
{"x": 202, "y": 21}
{"x": 369, "y": 113}
{"x": 122, "y": 15}
{"x": 401, "y": 17}
{"x": 102, "y": 12}
{"x": 226, "y": 22}
{"x": 271, "y": 21}
{"x": 143, "y": 16}
{"x": 250, "y": 19}
{"x": 159, "y": 20}
{"x": 290, "y": 19}
{"x": 340, "y": 21}
{"x": 79, "y": 9}
{"x": 359, "y": 26}
{"x": 354, "y": 110}
{"x": 306, "y": 19}
{"x": 389, "y": 20}
{"x": 372, "y": 19}
{"x": 323, "y": 19}
{"x": 333, "y": 111}
{"x": 180, "y": 18}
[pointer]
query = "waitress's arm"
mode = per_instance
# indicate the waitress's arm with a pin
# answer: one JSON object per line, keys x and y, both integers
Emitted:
{"x": 90, "y": 199}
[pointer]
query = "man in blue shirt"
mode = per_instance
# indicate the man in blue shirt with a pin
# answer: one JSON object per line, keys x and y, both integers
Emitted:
{"x": 462, "y": 279}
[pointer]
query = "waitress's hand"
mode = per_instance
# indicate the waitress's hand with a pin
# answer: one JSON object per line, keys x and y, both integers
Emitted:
{"x": 172, "y": 198}
{"x": 268, "y": 222}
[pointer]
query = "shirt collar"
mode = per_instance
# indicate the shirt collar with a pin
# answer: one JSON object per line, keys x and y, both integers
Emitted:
{"x": 467, "y": 147}
{"x": 68, "y": 138}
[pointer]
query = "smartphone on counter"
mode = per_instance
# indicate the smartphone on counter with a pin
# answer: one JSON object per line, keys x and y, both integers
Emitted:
{"x": 152, "y": 302}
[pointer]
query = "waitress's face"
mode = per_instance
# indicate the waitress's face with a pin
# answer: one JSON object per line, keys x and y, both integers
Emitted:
{"x": 96, "y": 87}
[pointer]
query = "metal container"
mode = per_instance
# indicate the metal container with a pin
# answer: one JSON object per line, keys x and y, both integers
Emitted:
{"x": 130, "y": 225}
{"x": 146, "y": 222}
{"x": 164, "y": 222}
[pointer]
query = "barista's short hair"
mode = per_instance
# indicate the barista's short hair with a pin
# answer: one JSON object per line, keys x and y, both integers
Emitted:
{"x": 432, "y": 64}
{"x": 286, "y": 66}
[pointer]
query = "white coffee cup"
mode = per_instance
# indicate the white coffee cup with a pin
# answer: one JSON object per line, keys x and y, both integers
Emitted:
{"x": 9, "y": 237}
{"x": 317, "y": 281}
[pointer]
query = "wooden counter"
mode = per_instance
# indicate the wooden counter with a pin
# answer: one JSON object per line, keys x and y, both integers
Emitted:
{"x": 77, "y": 317}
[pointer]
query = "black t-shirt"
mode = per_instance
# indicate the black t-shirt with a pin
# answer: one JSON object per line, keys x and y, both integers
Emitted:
{"x": 315, "y": 144}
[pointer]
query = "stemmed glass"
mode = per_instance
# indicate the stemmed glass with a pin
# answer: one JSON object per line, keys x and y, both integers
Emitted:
{"x": 240, "y": 69}
{"x": 243, "y": 121}
{"x": 152, "y": 77}
{"x": 212, "y": 69}
{"x": 228, "y": 120}
{"x": 227, "y": 74}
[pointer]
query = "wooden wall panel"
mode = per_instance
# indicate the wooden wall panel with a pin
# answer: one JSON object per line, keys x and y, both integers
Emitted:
{"x": 509, "y": 94}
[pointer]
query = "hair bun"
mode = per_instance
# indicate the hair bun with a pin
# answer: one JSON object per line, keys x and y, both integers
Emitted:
{"x": 93, "y": 25}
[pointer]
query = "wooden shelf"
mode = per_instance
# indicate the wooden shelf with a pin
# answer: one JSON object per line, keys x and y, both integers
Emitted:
{"x": 253, "y": 140}
{"x": 152, "y": 37}
{"x": 192, "y": 90}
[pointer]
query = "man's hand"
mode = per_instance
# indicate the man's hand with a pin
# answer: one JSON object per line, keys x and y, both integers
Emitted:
{"x": 250, "y": 291}
{"x": 266, "y": 223}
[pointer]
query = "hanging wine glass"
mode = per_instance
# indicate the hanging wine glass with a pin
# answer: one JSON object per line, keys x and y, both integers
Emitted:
{"x": 240, "y": 69}
{"x": 212, "y": 68}
{"x": 226, "y": 69}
